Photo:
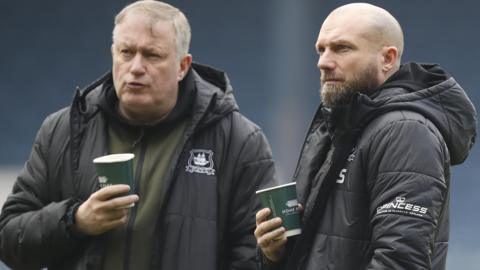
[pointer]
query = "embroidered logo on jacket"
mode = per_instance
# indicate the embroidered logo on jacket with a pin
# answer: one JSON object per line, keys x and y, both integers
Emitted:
{"x": 343, "y": 172}
{"x": 200, "y": 161}
{"x": 400, "y": 206}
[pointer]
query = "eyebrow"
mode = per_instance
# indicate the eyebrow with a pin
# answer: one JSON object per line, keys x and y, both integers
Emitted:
{"x": 339, "y": 41}
{"x": 147, "y": 48}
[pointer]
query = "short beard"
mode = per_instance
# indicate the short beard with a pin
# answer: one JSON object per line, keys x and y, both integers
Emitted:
{"x": 342, "y": 94}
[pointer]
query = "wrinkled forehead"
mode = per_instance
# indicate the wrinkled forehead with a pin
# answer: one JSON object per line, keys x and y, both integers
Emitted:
{"x": 138, "y": 22}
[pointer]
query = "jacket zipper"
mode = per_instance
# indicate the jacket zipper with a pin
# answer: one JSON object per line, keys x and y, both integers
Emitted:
{"x": 136, "y": 189}
{"x": 313, "y": 126}
{"x": 171, "y": 175}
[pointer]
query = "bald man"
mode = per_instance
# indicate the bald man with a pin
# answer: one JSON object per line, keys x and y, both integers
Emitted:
{"x": 374, "y": 173}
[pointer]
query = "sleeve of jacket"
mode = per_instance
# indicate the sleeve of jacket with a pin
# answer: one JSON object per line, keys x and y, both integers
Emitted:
{"x": 255, "y": 168}
{"x": 408, "y": 189}
{"x": 33, "y": 228}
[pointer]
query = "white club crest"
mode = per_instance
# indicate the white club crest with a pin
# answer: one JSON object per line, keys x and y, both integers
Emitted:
{"x": 200, "y": 161}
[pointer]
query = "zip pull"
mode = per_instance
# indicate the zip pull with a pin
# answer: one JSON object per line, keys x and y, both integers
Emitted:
{"x": 139, "y": 139}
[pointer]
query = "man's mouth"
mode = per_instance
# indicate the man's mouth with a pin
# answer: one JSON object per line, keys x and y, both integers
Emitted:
{"x": 135, "y": 85}
{"x": 330, "y": 78}
{"x": 331, "y": 81}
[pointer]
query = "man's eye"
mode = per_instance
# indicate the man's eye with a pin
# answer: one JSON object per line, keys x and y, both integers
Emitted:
{"x": 126, "y": 52}
{"x": 343, "y": 48}
{"x": 154, "y": 56}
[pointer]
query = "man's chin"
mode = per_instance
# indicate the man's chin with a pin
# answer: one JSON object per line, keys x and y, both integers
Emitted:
{"x": 335, "y": 95}
{"x": 330, "y": 90}
{"x": 135, "y": 105}
{"x": 135, "y": 100}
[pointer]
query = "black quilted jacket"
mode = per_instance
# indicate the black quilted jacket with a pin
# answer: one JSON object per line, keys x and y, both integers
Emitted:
{"x": 205, "y": 220}
{"x": 374, "y": 176}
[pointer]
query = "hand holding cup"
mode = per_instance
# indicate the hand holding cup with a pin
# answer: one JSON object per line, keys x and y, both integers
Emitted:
{"x": 104, "y": 210}
{"x": 278, "y": 220}
{"x": 270, "y": 235}
{"x": 107, "y": 208}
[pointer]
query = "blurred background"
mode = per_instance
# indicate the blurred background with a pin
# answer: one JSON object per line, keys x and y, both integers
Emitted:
{"x": 50, "y": 47}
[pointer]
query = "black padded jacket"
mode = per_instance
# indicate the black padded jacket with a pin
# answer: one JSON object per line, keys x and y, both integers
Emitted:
{"x": 206, "y": 216}
{"x": 374, "y": 175}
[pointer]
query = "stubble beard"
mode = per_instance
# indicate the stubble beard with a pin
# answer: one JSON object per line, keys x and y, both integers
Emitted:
{"x": 342, "y": 94}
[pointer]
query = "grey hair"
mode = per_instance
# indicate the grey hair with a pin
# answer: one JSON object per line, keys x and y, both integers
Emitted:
{"x": 158, "y": 10}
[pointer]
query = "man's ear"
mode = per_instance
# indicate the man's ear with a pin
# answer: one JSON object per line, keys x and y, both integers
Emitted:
{"x": 185, "y": 64}
{"x": 112, "y": 48}
{"x": 389, "y": 58}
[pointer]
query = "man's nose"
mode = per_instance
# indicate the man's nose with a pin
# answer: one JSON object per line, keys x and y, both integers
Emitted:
{"x": 137, "y": 66}
{"x": 326, "y": 61}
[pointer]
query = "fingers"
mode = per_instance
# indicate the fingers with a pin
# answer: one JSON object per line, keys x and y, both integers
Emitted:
{"x": 114, "y": 223}
{"x": 92, "y": 220}
{"x": 274, "y": 246}
{"x": 121, "y": 202}
{"x": 106, "y": 193}
{"x": 263, "y": 224}
{"x": 107, "y": 217}
{"x": 110, "y": 224}
{"x": 267, "y": 226}
{"x": 108, "y": 197}
{"x": 262, "y": 215}
{"x": 270, "y": 239}
{"x": 115, "y": 214}
{"x": 270, "y": 235}
{"x": 96, "y": 216}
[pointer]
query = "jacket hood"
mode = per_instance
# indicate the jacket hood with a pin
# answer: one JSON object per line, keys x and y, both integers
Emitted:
{"x": 426, "y": 89}
{"x": 213, "y": 96}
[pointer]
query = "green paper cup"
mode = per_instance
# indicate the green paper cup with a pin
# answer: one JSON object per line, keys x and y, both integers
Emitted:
{"x": 282, "y": 201}
{"x": 115, "y": 169}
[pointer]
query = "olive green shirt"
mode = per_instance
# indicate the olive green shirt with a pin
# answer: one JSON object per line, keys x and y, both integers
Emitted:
{"x": 132, "y": 243}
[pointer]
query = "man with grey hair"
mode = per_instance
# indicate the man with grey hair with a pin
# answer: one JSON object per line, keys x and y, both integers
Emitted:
{"x": 197, "y": 164}
{"x": 374, "y": 174}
